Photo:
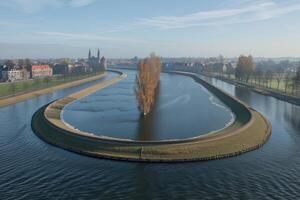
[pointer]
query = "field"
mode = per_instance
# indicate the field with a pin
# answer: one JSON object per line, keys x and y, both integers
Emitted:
{"x": 48, "y": 88}
{"x": 19, "y": 87}
{"x": 285, "y": 86}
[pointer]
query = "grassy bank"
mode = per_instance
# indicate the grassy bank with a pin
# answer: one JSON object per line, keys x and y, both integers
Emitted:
{"x": 248, "y": 132}
{"x": 285, "y": 86}
{"x": 289, "y": 94}
{"x": 50, "y": 87}
{"x": 15, "y": 88}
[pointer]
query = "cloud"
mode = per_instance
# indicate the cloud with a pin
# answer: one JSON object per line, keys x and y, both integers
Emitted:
{"x": 85, "y": 37}
{"x": 81, "y": 3}
{"x": 11, "y": 24}
{"x": 77, "y": 36}
{"x": 248, "y": 11}
{"x": 32, "y": 6}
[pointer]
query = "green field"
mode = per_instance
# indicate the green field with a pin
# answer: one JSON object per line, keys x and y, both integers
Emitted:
{"x": 19, "y": 87}
{"x": 269, "y": 84}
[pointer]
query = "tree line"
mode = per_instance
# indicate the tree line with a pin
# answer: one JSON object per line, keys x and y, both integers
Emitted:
{"x": 267, "y": 73}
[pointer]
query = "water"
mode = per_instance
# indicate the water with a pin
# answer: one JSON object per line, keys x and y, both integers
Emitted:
{"x": 32, "y": 169}
{"x": 183, "y": 109}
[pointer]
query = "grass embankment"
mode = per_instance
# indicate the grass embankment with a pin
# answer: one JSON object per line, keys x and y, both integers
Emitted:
{"x": 15, "y": 88}
{"x": 44, "y": 88}
{"x": 249, "y": 131}
{"x": 284, "y": 87}
{"x": 53, "y": 111}
{"x": 289, "y": 94}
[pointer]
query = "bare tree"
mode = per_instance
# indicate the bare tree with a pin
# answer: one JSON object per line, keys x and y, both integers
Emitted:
{"x": 269, "y": 78}
{"x": 279, "y": 74}
{"x": 147, "y": 81}
{"x": 258, "y": 75}
{"x": 245, "y": 68}
{"x": 287, "y": 79}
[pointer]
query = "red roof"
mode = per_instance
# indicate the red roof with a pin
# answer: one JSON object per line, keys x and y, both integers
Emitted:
{"x": 40, "y": 67}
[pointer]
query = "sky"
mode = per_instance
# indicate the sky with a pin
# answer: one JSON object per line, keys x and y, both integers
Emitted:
{"x": 128, "y": 28}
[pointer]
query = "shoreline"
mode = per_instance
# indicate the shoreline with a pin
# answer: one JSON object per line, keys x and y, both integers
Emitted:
{"x": 263, "y": 91}
{"x": 29, "y": 95}
{"x": 249, "y": 131}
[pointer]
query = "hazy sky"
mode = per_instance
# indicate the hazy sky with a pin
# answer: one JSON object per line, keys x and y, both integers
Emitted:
{"x": 125, "y": 28}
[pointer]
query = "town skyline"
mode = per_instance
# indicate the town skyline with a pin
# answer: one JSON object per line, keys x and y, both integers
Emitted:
{"x": 170, "y": 28}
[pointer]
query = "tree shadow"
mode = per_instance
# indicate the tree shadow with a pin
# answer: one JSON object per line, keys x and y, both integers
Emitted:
{"x": 146, "y": 124}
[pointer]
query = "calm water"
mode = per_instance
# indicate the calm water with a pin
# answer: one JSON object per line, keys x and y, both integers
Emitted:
{"x": 32, "y": 169}
{"x": 183, "y": 109}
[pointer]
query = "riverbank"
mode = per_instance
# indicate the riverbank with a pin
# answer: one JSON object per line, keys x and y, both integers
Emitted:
{"x": 29, "y": 95}
{"x": 249, "y": 131}
{"x": 261, "y": 90}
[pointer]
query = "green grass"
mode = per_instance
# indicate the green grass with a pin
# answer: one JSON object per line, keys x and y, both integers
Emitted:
{"x": 12, "y": 88}
{"x": 270, "y": 84}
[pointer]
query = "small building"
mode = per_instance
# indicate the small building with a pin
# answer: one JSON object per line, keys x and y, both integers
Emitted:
{"x": 78, "y": 69}
{"x": 1, "y": 69}
{"x": 25, "y": 74}
{"x": 12, "y": 74}
{"x": 103, "y": 63}
{"x": 41, "y": 71}
{"x": 60, "y": 69}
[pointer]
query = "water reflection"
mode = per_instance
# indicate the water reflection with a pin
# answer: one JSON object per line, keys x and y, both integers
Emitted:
{"x": 292, "y": 117}
{"x": 148, "y": 123}
{"x": 183, "y": 109}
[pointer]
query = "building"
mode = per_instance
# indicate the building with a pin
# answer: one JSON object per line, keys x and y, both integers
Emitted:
{"x": 78, "y": 69}
{"x": 103, "y": 63}
{"x": 94, "y": 62}
{"x": 12, "y": 74}
{"x": 61, "y": 69}
{"x": 41, "y": 71}
{"x": 1, "y": 69}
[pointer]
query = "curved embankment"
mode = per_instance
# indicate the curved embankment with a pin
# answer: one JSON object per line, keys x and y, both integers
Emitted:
{"x": 249, "y": 131}
{"x": 29, "y": 95}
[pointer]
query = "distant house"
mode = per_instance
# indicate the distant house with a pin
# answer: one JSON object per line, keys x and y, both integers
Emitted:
{"x": 12, "y": 74}
{"x": 103, "y": 64}
{"x": 80, "y": 69}
{"x": 60, "y": 69}
{"x": 1, "y": 69}
{"x": 41, "y": 71}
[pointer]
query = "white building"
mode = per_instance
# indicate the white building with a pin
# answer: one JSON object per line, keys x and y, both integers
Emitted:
{"x": 12, "y": 75}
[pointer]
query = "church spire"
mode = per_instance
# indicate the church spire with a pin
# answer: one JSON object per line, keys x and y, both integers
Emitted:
{"x": 98, "y": 55}
{"x": 89, "y": 54}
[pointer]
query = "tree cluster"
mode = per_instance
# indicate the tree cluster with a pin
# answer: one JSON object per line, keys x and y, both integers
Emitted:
{"x": 245, "y": 68}
{"x": 147, "y": 81}
{"x": 297, "y": 77}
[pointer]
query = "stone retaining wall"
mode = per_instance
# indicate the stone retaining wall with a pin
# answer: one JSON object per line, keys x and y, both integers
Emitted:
{"x": 249, "y": 131}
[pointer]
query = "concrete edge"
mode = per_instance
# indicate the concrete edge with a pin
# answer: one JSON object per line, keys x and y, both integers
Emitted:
{"x": 140, "y": 145}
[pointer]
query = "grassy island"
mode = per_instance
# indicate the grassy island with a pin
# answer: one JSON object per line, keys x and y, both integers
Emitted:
{"x": 249, "y": 131}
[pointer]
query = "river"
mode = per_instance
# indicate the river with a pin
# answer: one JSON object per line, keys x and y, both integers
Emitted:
{"x": 32, "y": 169}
